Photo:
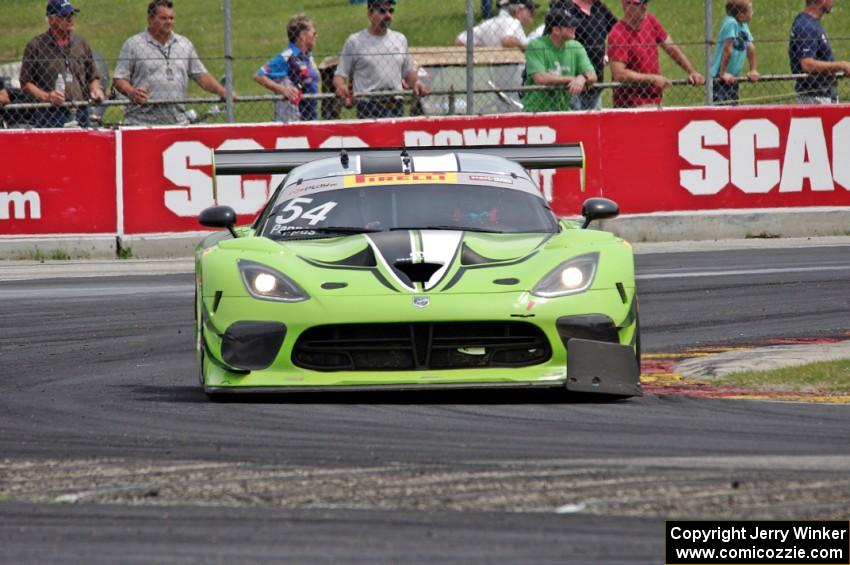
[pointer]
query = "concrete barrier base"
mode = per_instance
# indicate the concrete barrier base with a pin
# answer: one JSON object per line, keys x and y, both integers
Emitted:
{"x": 730, "y": 224}
{"x": 161, "y": 246}
{"x": 56, "y": 247}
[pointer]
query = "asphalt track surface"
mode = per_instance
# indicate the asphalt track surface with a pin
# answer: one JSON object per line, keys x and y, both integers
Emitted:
{"x": 110, "y": 453}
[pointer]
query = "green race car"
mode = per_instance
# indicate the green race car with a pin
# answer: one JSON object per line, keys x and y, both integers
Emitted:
{"x": 413, "y": 268}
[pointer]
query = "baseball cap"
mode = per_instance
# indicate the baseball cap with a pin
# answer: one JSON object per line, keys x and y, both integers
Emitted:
{"x": 530, "y": 4}
{"x": 560, "y": 18}
{"x": 60, "y": 8}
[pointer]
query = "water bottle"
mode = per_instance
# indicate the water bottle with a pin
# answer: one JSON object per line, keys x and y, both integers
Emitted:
{"x": 59, "y": 86}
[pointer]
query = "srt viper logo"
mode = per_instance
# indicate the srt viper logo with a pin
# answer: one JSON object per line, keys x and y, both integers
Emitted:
{"x": 421, "y": 301}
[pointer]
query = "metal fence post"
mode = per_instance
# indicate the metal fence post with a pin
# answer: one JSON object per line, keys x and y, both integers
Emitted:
{"x": 470, "y": 59}
{"x": 709, "y": 80}
{"x": 228, "y": 58}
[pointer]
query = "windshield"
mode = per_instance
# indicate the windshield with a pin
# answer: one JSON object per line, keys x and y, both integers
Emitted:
{"x": 425, "y": 206}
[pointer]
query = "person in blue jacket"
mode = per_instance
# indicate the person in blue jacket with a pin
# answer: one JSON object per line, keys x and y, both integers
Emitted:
{"x": 292, "y": 73}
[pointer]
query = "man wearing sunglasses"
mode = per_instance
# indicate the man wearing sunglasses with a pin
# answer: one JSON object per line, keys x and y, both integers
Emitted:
{"x": 58, "y": 67}
{"x": 376, "y": 59}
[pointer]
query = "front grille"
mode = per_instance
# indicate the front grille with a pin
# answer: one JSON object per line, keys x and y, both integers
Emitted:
{"x": 420, "y": 346}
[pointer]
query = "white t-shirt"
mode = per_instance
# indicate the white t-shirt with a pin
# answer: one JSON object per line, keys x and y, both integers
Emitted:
{"x": 536, "y": 33}
{"x": 489, "y": 33}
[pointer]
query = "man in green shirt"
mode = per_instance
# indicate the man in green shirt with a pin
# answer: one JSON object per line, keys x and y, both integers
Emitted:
{"x": 556, "y": 59}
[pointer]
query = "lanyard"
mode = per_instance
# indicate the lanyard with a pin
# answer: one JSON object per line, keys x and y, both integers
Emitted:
{"x": 66, "y": 55}
{"x": 165, "y": 53}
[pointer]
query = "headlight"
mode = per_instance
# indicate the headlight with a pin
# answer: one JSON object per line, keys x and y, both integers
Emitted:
{"x": 570, "y": 277}
{"x": 266, "y": 283}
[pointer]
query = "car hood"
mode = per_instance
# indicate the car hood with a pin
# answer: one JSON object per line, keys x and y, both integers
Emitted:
{"x": 417, "y": 260}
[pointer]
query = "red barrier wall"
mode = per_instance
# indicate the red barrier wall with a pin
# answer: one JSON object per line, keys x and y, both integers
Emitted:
{"x": 648, "y": 161}
{"x": 708, "y": 159}
{"x": 57, "y": 182}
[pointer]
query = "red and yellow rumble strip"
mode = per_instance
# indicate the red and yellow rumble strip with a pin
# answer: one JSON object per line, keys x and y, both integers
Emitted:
{"x": 658, "y": 376}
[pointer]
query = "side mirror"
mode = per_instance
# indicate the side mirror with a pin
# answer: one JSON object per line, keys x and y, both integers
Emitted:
{"x": 219, "y": 217}
{"x": 598, "y": 209}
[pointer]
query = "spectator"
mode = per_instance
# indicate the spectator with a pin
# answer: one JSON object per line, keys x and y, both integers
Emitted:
{"x": 4, "y": 99}
{"x": 633, "y": 52}
{"x": 734, "y": 43}
{"x": 11, "y": 94}
{"x": 376, "y": 59}
{"x": 557, "y": 59}
{"x": 505, "y": 30}
{"x": 155, "y": 65}
{"x": 594, "y": 22}
{"x": 293, "y": 73}
{"x": 486, "y": 9}
{"x": 60, "y": 54}
{"x": 810, "y": 52}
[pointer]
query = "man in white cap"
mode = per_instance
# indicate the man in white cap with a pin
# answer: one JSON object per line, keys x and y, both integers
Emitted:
{"x": 505, "y": 30}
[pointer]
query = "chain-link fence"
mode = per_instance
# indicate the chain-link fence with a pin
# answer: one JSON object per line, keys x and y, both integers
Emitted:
{"x": 260, "y": 61}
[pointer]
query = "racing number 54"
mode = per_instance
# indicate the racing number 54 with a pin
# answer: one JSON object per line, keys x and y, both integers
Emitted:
{"x": 294, "y": 211}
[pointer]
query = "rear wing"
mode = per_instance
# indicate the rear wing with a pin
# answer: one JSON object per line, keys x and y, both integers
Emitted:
{"x": 276, "y": 161}
{"x": 388, "y": 159}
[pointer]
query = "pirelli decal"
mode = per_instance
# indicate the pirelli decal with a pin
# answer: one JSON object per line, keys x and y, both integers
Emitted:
{"x": 399, "y": 178}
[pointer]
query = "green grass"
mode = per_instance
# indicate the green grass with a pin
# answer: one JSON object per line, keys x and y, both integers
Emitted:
{"x": 830, "y": 377}
{"x": 259, "y": 33}
{"x": 762, "y": 235}
{"x": 39, "y": 255}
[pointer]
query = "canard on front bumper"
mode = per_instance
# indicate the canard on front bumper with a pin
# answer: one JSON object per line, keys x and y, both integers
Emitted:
{"x": 602, "y": 368}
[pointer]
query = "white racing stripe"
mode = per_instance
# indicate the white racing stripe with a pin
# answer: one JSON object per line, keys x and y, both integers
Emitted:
{"x": 738, "y": 272}
{"x": 439, "y": 247}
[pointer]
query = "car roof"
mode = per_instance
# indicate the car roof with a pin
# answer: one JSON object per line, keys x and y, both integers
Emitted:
{"x": 300, "y": 187}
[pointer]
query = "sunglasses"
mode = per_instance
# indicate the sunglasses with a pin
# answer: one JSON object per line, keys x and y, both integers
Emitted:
{"x": 385, "y": 10}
